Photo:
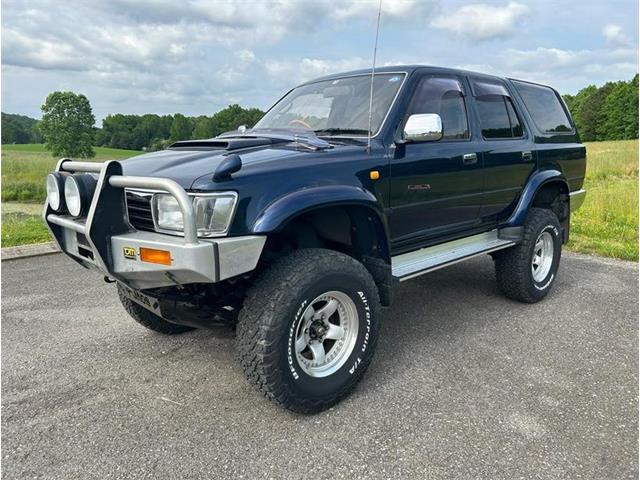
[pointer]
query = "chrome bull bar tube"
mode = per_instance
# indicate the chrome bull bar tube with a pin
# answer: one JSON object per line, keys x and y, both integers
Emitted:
{"x": 164, "y": 184}
{"x": 123, "y": 181}
{"x": 67, "y": 223}
{"x": 72, "y": 166}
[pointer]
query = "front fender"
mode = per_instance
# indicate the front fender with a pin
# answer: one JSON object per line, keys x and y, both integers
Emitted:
{"x": 534, "y": 184}
{"x": 281, "y": 211}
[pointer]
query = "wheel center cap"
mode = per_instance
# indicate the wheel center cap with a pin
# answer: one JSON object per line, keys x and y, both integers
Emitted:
{"x": 317, "y": 330}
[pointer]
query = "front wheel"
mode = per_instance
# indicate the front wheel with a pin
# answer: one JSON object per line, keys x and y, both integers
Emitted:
{"x": 527, "y": 271}
{"x": 308, "y": 329}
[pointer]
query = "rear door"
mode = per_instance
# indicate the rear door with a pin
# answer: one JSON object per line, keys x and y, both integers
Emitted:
{"x": 508, "y": 152}
{"x": 557, "y": 144}
{"x": 436, "y": 187}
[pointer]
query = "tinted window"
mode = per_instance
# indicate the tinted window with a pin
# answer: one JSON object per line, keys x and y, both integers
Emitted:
{"x": 516, "y": 126}
{"x": 545, "y": 108}
{"x": 443, "y": 95}
{"x": 498, "y": 118}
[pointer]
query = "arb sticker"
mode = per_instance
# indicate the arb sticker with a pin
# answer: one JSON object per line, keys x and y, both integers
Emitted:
{"x": 129, "y": 252}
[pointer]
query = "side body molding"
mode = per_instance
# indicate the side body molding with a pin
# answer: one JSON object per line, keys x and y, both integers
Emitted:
{"x": 534, "y": 183}
{"x": 278, "y": 213}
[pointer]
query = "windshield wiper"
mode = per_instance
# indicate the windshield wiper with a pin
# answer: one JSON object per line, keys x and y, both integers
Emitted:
{"x": 341, "y": 131}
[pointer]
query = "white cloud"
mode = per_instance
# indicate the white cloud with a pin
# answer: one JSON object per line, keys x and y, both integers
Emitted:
{"x": 614, "y": 35}
{"x": 294, "y": 71}
{"x": 196, "y": 56}
{"x": 481, "y": 21}
{"x": 392, "y": 10}
{"x": 556, "y": 66}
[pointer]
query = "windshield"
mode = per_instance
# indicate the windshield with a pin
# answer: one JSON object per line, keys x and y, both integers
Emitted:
{"x": 335, "y": 107}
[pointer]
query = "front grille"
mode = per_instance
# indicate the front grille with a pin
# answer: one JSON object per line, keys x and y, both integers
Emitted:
{"x": 139, "y": 211}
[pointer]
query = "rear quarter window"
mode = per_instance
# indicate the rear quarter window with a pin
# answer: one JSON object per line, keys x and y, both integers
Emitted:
{"x": 545, "y": 107}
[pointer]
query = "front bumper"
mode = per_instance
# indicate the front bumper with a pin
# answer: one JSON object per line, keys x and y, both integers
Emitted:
{"x": 105, "y": 240}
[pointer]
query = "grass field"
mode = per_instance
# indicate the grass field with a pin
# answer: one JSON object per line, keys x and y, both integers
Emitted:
{"x": 607, "y": 223}
{"x": 24, "y": 168}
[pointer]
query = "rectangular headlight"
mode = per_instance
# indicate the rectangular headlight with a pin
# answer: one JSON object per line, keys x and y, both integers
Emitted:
{"x": 214, "y": 213}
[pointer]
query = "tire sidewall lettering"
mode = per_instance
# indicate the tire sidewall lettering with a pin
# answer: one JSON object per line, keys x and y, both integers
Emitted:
{"x": 362, "y": 343}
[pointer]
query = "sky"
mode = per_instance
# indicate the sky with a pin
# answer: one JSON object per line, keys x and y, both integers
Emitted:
{"x": 198, "y": 56}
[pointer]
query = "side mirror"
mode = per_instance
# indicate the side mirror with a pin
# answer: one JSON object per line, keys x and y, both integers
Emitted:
{"x": 423, "y": 127}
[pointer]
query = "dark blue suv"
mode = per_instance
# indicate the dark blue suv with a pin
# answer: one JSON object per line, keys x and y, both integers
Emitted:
{"x": 296, "y": 230}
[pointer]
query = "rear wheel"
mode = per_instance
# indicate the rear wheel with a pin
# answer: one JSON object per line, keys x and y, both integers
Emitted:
{"x": 308, "y": 329}
{"x": 149, "y": 319}
{"x": 527, "y": 271}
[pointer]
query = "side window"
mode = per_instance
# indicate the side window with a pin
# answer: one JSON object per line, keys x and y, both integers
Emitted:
{"x": 444, "y": 96}
{"x": 498, "y": 118}
{"x": 516, "y": 126}
{"x": 545, "y": 108}
{"x": 494, "y": 119}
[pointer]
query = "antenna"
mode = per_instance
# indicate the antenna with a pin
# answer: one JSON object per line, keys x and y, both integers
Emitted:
{"x": 373, "y": 72}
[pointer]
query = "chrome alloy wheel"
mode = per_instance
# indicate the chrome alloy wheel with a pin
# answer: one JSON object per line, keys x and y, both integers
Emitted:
{"x": 326, "y": 334}
{"x": 542, "y": 257}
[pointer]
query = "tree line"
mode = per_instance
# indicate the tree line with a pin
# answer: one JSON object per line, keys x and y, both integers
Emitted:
{"x": 608, "y": 112}
{"x": 154, "y": 132}
{"x": 20, "y": 129}
{"x": 67, "y": 127}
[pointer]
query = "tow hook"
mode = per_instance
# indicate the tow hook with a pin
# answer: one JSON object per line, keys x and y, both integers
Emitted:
{"x": 108, "y": 280}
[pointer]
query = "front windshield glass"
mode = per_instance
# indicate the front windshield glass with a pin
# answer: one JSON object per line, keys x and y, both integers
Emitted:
{"x": 335, "y": 107}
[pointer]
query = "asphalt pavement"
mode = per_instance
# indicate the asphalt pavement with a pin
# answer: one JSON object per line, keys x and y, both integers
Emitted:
{"x": 465, "y": 385}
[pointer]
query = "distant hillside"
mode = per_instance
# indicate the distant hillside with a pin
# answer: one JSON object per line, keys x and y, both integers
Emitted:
{"x": 19, "y": 129}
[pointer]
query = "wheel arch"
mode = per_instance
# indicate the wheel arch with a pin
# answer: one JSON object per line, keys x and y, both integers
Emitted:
{"x": 343, "y": 218}
{"x": 538, "y": 187}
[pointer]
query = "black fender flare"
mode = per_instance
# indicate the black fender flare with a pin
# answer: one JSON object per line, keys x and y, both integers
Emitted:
{"x": 284, "y": 209}
{"x": 534, "y": 184}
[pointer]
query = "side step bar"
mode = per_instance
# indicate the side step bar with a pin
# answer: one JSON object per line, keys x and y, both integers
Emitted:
{"x": 425, "y": 260}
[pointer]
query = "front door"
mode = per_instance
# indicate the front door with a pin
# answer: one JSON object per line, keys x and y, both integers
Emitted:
{"x": 436, "y": 187}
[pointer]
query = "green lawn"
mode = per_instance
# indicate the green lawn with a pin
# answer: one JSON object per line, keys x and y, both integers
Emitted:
{"x": 607, "y": 223}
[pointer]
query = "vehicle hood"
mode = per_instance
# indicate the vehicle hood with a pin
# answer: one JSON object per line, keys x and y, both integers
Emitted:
{"x": 186, "y": 166}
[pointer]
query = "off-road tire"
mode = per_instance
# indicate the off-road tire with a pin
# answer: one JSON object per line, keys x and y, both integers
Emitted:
{"x": 272, "y": 311}
{"x": 148, "y": 319}
{"x": 513, "y": 265}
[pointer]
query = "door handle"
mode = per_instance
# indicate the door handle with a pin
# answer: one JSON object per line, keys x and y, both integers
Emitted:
{"x": 527, "y": 156}
{"x": 469, "y": 158}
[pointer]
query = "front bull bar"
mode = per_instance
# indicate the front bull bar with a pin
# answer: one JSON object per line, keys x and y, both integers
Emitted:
{"x": 98, "y": 240}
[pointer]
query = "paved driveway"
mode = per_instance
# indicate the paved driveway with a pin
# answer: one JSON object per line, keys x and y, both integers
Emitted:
{"x": 465, "y": 384}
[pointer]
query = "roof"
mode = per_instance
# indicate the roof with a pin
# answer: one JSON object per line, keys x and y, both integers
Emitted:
{"x": 405, "y": 69}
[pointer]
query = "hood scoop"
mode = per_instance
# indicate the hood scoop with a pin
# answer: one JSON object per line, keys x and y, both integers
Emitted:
{"x": 223, "y": 144}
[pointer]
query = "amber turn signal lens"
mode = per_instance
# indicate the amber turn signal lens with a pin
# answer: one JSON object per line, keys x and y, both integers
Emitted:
{"x": 374, "y": 175}
{"x": 151, "y": 255}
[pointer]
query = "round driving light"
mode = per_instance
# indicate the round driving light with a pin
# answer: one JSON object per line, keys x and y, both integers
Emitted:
{"x": 55, "y": 190}
{"x": 78, "y": 192}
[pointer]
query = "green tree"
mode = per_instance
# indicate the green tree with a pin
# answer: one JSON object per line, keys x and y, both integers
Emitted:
{"x": 67, "y": 125}
{"x": 618, "y": 117}
{"x": 180, "y": 128}
{"x": 233, "y": 116}
{"x": 204, "y": 128}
